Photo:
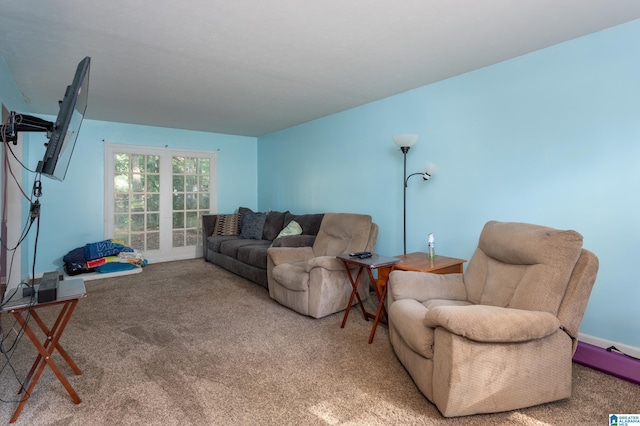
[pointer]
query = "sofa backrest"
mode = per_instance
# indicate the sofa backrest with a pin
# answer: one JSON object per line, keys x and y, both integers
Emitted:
{"x": 522, "y": 266}
{"x": 342, "y": 233}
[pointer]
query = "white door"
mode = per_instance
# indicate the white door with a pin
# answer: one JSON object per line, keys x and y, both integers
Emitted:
{"x": 155, "y": 199}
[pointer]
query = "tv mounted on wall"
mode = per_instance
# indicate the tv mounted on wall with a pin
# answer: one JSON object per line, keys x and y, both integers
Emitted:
{"x": 67, "y": 125}
{"x": 62, "y": 133}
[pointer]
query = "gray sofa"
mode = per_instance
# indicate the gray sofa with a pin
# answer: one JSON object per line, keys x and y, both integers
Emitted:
{"x": 243, "y": 250}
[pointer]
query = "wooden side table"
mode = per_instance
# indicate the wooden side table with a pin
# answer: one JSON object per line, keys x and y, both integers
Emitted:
{"x": 370, "y": 263}
{"x": 420, "y": 262}
{"x": 22, "y": 308}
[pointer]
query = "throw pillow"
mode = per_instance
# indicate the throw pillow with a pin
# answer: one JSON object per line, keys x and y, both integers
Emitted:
{"x": 252, "y": 225}
{"x": 293, "y": 228}
{"x": 227, "y": 224}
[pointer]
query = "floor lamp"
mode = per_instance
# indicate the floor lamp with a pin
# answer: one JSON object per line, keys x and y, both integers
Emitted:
{"x": 405, "y": 142}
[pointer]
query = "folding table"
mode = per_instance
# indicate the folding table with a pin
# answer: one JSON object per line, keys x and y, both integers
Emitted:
{"x": 69, "y": 292}
{"x": 370, "y": 263}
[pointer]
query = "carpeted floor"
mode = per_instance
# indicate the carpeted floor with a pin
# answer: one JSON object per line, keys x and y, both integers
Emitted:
{"x": 188, "y": 343}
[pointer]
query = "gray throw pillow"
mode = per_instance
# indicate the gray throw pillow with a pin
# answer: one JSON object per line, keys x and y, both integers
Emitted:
{"x": 252, "y": 225}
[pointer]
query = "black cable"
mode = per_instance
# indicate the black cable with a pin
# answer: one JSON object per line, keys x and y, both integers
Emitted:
{"x": 19, "y": 162}
{"x": 614, "y": 349}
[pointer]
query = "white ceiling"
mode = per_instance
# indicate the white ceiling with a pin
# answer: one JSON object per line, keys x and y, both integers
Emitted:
{"x": 252, "y": 67}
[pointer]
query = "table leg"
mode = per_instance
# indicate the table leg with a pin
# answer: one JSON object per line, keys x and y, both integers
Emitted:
{"x": 44, "y": 357}
{"x": 50, "y": 333}
{"x": 381, "y": 312}
{"x": 354, "y": 292}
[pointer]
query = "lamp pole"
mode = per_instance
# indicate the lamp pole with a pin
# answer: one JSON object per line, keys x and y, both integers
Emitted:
{"x": 405, "y": 179}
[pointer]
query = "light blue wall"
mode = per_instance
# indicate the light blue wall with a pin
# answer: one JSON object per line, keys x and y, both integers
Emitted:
{"x": 552, "y": 138}
{"x": 72, "y": 212}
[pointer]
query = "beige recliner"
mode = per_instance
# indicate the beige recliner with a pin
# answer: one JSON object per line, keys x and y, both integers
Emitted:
{"x": 310, "y": 280}
{"x": 501, "y": 336}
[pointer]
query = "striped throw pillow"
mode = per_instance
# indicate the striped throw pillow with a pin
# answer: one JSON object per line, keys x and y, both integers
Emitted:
{"x": 227, "y": 224}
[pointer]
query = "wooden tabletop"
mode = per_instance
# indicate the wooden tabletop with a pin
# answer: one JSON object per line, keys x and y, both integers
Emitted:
{"x": 420, "y": 262}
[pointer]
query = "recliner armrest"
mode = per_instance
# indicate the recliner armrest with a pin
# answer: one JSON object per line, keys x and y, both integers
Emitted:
{"x": 493, "y": 324}
{"x": 280, "y": 255}
{"x": 330, "y": 263}
{"x": 422, "y": 286}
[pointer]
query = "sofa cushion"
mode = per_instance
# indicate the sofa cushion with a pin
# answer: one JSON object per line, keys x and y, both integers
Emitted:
{"x": 273, "y": 225}
{"x": 254, "y": 254}
{"x": 230, "y": 247}
{"x": 252, "y": 225}
{"x": 214, "y": 241}
{"x": 227, "y": 224}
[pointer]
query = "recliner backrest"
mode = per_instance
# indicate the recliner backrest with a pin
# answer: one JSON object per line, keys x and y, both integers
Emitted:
{"x": 522, "y": 266}
{"x": 577, "y": 295}
{"x": 342, "y": 233}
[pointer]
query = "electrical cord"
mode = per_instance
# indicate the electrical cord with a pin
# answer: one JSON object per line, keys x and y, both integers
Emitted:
{"x": 614, "y": 349}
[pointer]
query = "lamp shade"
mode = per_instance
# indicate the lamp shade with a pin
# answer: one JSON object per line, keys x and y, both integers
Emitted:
{"x": 405, "y": 140}
{"x": 430, "y": 168}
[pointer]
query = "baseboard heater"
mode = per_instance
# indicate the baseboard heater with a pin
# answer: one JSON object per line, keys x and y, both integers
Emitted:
{"x": 613, "y": 363}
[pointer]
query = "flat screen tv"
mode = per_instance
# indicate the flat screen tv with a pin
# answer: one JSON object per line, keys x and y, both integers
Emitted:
{"x": 65, "y": 130}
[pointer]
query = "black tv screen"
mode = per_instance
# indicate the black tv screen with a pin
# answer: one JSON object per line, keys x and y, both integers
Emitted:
{"x": 57, "y": 156}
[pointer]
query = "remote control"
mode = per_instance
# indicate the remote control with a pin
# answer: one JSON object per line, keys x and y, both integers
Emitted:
{"x": 364, "y": 255}
{"x": 359, "y": 253}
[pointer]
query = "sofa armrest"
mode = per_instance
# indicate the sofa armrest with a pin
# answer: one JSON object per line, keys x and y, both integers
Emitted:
{"x": 422, "y": 286}
{"x": 280, "y": 255}
{"x": 208, "y": 227}
{"x": 494, "y": 324}
{"x": 295, "y": 241}
{"x": 208, "y": 224}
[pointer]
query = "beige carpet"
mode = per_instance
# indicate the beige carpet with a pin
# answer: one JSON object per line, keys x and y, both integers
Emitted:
{"x": 188, "y": 343}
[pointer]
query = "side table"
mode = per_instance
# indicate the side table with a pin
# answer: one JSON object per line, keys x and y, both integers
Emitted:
{"x": 420, "y": 262}
{"x": 69, "y": 293}
{"x": 370, "y": 263}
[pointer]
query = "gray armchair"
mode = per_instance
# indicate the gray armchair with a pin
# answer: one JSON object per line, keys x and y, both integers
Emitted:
{"x": 310, "y": 280}
{"x": 502, "y": 335}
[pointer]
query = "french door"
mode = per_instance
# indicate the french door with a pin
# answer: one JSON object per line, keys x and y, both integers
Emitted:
{"x": 155, "y": 199}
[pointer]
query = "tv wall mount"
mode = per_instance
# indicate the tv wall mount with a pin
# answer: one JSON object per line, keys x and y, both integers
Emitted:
{"x": 24, "y": 123}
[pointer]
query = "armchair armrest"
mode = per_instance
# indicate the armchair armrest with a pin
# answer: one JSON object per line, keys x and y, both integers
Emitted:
{"x": 330, "y": 263}
{"x": 493, "y": 324}
{"x": 280, "y": 255}
{"x": 422, "y": 286}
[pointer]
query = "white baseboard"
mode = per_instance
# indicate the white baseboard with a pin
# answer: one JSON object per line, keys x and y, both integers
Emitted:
{"x": 633, "y": 351}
